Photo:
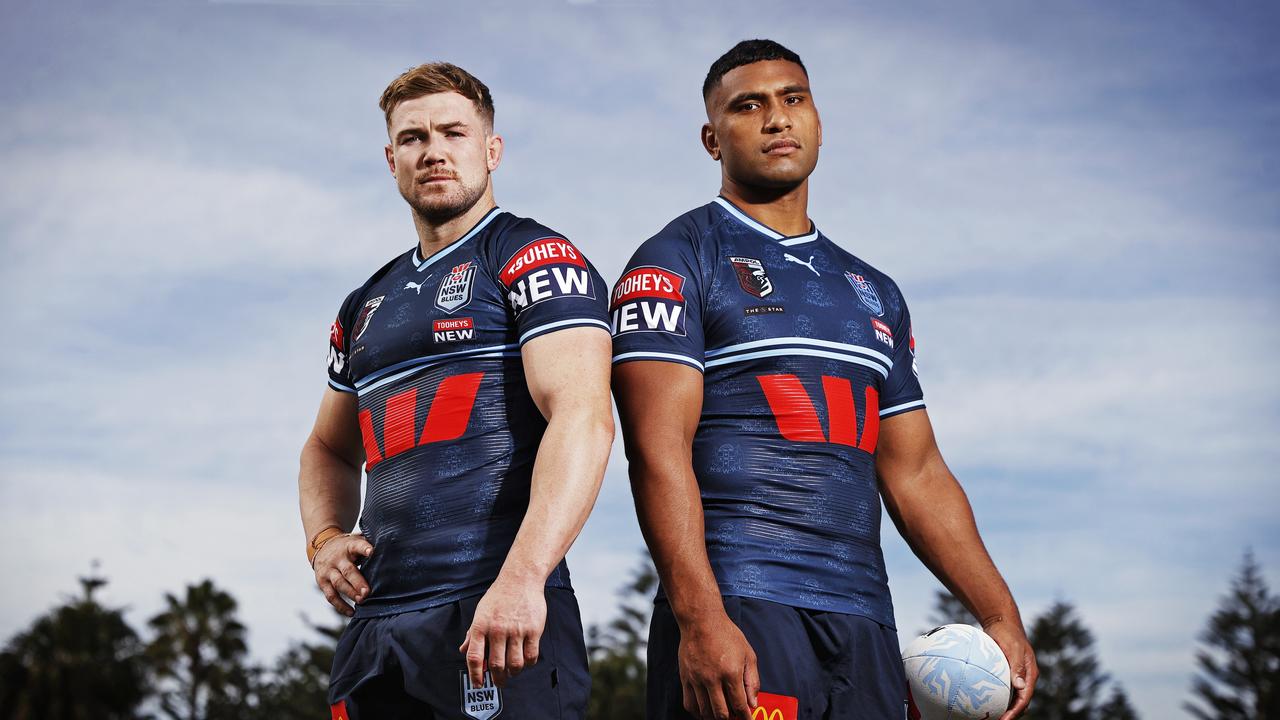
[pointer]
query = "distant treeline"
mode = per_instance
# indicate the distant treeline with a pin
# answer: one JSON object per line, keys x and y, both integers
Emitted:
{"x": 82, "y": 661}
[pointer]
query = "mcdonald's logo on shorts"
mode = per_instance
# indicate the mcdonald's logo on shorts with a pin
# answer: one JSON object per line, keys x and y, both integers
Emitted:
{"x": 775, "y": 707}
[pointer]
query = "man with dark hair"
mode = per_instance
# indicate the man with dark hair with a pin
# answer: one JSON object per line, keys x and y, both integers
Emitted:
{"x": 470, "y": 377}
{"x": 767, "y": 387}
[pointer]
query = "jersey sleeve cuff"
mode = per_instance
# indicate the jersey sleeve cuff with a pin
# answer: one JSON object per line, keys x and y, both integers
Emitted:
{"x": 540, "y": 330}
{"x": 340, "y": 387}
{"x": 902, "y": 408}
{"x": 660, "y": 356}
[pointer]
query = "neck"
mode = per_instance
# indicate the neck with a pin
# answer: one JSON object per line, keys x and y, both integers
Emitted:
{"x": 434, "y": 236}
{"x": 783, "y": 209}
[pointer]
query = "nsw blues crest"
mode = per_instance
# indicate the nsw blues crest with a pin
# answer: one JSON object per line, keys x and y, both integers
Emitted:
{"x": 455, "y": 289}
{"x": 481, "y": 701}
{"x": 866, "y": 292}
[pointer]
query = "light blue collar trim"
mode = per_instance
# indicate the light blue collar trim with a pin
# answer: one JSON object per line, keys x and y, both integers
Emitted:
{"x": 765, "y": 229}
{"x": 424, "y": 264}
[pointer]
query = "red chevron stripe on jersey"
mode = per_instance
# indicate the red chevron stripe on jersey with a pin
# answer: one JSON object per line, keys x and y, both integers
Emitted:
{"x": 447, "y": 418}
{"x": 798, "y": 419}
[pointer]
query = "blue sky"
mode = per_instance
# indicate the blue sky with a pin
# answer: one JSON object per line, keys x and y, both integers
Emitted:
{"x": 1081, "y": 202}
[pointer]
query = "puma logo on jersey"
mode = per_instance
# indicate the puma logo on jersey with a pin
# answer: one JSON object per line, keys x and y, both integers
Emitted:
{"x": 417, "y": 287}
{"x": 792, "y": 258}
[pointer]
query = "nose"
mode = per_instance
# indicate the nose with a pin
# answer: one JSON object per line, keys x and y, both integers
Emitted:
{"x": 432, "y": 152}
{"x": 777, "y": 119}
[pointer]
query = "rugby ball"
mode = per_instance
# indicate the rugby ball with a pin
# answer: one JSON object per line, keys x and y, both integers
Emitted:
{"x": 957, "y": 672}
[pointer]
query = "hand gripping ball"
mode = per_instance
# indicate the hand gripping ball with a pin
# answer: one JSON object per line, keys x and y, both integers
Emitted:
{"x": 957, "y": 672}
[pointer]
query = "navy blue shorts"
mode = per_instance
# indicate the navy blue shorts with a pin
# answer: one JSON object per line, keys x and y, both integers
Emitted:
{"x": 836, "y": 666}
{"x": 408, "y": 666}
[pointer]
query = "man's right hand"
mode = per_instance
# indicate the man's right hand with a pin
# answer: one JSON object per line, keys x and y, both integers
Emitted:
{"x": 337, "y": 573}
{"x": 717, "y": 670}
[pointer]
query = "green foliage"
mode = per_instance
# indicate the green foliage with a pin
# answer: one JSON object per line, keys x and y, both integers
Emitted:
{"x": 1117, "y": 706}
{"x": 1070, "y": 676}
{"x": 296, "y": 688}
{"x": 198, "y": 656}
{"x": 81, "y": 661}
{"x": 1239, "y": 662}
{"x": 948, "y": 610}
{"x": 617, "y": 652}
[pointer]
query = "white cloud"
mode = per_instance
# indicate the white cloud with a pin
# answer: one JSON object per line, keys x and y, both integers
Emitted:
{"x": 1089, "y": 276}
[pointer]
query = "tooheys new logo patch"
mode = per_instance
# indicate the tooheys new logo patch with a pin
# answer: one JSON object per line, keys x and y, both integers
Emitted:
{"x": 648, "y": 299}
{"x": 751, "y": 276}
{"x": 883, "y": 333}
{"x": 547, "y": 268}
{"x": 866, "y": 292}
{"x": 455, "y": 288}
{"x": 482, "y": 702}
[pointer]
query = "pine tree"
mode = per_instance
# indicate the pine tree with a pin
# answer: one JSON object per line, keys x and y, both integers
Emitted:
{"x": 616, "y": 653}
{"x": 80, "y": 661}
{"x": 948, "y": 610}
{"x": 1070, "y": 676}
{"x": 1117, "y": 706}
{"x": 298, "y": 684}
{"x": 198, "y": 655}
{"x": 1239, "y": 661}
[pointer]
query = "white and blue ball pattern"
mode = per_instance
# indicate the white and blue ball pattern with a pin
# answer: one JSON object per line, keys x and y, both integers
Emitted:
{"x": 957, "y": 672}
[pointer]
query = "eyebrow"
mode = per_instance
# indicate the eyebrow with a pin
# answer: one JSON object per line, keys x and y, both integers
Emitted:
{"x": 760, "y": 96}
{"x": 442, "y": 127}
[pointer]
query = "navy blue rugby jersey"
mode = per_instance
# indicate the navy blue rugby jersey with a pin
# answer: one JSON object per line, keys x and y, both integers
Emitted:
{"x": 804, "y": 348}
{"x": 431, "y": 348}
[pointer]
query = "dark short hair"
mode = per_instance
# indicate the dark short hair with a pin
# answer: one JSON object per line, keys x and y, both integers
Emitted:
{"x": 745, "y": 53}
{"x": 437, "y": 77}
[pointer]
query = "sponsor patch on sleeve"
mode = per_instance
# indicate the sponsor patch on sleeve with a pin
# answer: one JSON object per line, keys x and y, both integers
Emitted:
{"x": 335, "y": 333}
{"x": 545, "y": 269}
{"x": 337, "y": 354}
{"x": 648, "y": 299}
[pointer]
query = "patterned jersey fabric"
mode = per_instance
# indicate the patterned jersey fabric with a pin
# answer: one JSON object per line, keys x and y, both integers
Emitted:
{"x": 804, "y": 348}
{"x": 431, "y": 348}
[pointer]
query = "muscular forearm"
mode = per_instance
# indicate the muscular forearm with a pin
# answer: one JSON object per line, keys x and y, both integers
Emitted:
{"x": 669, "y": 508}
{"x": 328, "y": 489}
{"x": 566, "y": 480}
{"x": 935, "y": 518}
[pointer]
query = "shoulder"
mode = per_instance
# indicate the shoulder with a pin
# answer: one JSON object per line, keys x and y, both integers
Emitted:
{"x": 687, "y": 234}
{"x": 510, "y": 229}
{"x": 357, "y": 296}
{"x": 519, "y": 245}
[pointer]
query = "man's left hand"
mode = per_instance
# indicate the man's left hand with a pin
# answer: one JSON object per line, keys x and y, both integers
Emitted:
{"x": 1023, "y": 670}
{"x": 506, "y": 628}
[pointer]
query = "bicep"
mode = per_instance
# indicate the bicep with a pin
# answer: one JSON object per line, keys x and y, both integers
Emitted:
{"x": 659, "y": 404}
{"x": 568, "y": 368}
{"x": 906, "y": 448}
{"x": 337, "y": 428}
